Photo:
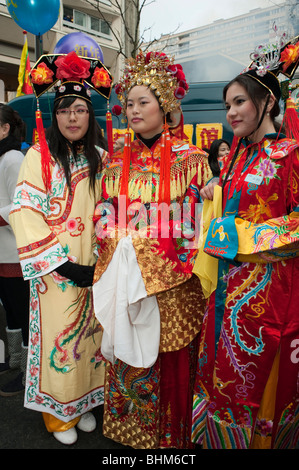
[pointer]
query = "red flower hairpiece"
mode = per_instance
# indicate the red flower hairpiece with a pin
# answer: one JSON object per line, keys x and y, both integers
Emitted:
{"x": 289, "y": 55}
{"x": 150, "y": 55}
{"x": 42, "y": 75}
{"x": 179, "y": 93}
{"x": 118, "y": 88}
{"x": 101, "y": 78}
{"x": 157, "y": 71}
{"x": 116, "y": 110}
{"x": 72, "y": 68}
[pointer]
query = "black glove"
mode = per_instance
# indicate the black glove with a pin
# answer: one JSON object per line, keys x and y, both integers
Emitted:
{"x": 79, "y": 274}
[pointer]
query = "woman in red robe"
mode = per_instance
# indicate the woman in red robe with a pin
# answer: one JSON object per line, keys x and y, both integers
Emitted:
{"x": 246, "y": 391}
{"x": 147, "y": 300}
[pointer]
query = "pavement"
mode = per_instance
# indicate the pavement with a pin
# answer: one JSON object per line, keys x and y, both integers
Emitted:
{"x": 21, "y": 428}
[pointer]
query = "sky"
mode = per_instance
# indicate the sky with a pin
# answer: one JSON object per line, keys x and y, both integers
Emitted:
{"x": 173, "y": 16}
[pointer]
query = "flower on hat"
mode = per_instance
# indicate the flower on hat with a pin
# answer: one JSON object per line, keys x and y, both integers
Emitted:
{"x": 289, "y": 55}
{"x": 101, "y": 78}
{"x": 42, "y": 75}
{"x": 116, "y": 110}
{"x": 183, "y": 84}
{"x": 118, "y": 88}
{"x": 158, "y": 72}
{"x": 179, "y": 93}
{"x": 174, "y": 68}
{"x": 71, "y": 67}
{"x": 152, "y": 55}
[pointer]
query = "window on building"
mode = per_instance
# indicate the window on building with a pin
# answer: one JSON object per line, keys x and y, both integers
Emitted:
{"x": 105, "y": 27}
{"x": 80, "y": 18}
{"x": 95, "y": 24}
{"x": 68, "y": 14}
{"x": 85, "y": 22}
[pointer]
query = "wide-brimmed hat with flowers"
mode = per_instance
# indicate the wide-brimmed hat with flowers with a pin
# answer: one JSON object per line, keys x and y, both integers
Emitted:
{"x": 73, "y": 75}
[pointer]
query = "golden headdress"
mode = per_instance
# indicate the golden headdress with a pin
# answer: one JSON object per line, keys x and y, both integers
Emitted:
{"x": 168, "y": 82}
{"x": 157, "y": 71}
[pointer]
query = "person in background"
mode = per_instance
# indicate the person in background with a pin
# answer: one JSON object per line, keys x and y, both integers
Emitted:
{"x": 146, "y": 299}
{"x": 14, "y": 291}
{"x": 217, "y": 152}
{"x": 56, "y": 193}
{"x": 246, "y": 389}
{"x": 118, "y": 144}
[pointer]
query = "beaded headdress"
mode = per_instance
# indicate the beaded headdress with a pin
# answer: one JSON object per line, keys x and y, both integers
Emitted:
{"x": 168, "y": 82}
{"x": 158, "y": 72}
{"x": 268, "y": 61}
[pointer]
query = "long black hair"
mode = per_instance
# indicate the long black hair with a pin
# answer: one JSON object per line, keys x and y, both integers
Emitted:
{"x": 17, "y": 129}
{"x": 213, "y": 155}
{"x": 60, "y": 147}
{"x": 257, "y": 93}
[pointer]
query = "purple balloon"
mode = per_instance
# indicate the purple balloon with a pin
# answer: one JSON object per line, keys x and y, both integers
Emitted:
{"x": 81, "y": 43}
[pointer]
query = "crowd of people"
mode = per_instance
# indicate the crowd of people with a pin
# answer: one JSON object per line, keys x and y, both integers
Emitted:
{"x": 102, "y": 250}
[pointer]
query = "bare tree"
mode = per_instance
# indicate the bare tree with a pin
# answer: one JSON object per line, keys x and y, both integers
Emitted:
{"x": 130, "y": 40}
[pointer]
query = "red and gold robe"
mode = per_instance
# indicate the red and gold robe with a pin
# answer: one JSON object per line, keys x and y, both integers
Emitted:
{"x": 150, "y": 407}
{"x": 247, "y": 381}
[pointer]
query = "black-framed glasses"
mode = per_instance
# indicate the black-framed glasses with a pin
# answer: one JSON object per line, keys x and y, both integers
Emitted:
{"x": 67, "y": 112}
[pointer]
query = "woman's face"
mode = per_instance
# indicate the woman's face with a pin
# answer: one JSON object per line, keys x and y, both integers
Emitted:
{"x": 73, "y": 121}
{"x": 223, "y": 150}
{"x": 144, "y": 114}
{"x": 241, "y": 112}
{"x": 4, "y": 130}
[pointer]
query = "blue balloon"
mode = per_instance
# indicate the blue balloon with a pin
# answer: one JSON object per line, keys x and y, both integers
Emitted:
{"x": 81, "y": 43}
{"x": 34, "y": 16}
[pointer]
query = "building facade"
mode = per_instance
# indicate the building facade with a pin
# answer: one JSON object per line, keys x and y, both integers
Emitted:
{"x": 74, "y": 16}
{"x": 220, "y": 50}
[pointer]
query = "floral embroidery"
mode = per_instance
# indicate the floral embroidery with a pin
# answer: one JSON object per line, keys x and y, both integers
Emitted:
{"x": 267, "y": 169}
{"x": 74, "y": 226}
{"x": 264, "y": 427}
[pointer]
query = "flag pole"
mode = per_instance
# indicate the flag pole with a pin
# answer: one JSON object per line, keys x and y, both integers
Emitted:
{"x": 38, "y": 46}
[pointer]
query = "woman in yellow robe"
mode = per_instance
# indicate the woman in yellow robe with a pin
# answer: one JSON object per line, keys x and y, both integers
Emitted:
{"x": 52, "y": 220}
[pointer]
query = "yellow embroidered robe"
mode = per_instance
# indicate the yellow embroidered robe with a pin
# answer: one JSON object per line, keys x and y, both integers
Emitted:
{"x": 65, "y": 371}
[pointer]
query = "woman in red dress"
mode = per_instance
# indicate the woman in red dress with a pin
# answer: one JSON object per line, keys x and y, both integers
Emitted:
{"x": 146, "y": 298}
{"x": 246, "y": 391}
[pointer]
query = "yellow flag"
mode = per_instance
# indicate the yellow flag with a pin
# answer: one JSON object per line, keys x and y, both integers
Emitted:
{"x": 24, "y": 87}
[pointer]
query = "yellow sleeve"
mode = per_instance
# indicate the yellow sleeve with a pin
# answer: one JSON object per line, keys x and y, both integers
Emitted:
{"x": 274, "y": 240}
{"x": 40, "y": 252}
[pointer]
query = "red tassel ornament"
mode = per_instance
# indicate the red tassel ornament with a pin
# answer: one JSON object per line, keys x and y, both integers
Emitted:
{"x": 291, "y": 120}
{"x": 44, "y": 150}
{"x": 164, "y": 186}
{"x": 109, "y": 131}
{"x": 124, "y": 185}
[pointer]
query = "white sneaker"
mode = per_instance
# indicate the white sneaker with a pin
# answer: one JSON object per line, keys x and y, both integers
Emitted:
{"x": 66, "y": 437}
{"x": 87, "y": 423}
